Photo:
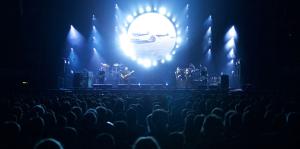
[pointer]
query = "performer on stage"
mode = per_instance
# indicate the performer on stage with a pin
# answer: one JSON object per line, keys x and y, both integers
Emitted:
{"x": 204, "y": 76}
{"x": 178, "y": 74}
{"x": 192, "y": 67}
{"x": 188, "y": 78}
{"x": 125, "y": 75}
{"x": 101, "y": 75}
{"x": 180, "y": 78}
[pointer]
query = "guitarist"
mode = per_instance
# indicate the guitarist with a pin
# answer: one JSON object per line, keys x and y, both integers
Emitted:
{"x": 125, "y": 75}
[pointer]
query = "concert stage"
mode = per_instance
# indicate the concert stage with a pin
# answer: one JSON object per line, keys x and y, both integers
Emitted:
{"x": 142, "y": 88}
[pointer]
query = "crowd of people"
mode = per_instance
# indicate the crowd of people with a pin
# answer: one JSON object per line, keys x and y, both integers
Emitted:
{"x": 189, "y": 120}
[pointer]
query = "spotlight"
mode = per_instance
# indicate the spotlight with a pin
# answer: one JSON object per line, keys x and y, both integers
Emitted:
{"x": 133, "y": 57}
{"x": 154, "y": 63}
{"x": 173, "y": 19}
{"x": 231, "y": 53}
{"x": 140, "y": 61}
{"x": 72, "y": 49}
{"x": 168, "y": 14}
{"x": 187, "y": 28}
{"x": 177, "y": 25}
{"x": 147, "y": 63}
{"x": 94, "y": 38}
{"x": 116, "y": 6}
{"x": 94, "y": 49}
{"x": 134, "y": 14}
{"x": 231, "y": 62}
{"x": 94, "y": 18}
{"x": 174, "y": 52}
{"x": 148, "y": 8}
{"x": 141, "y": 10}
{"x": 178, "y": 32}
{"x": 94, "y": 27}
{"x": 129, "y": 18}
{"x": 230, "y": 44}
{"x": 178, "y": 40}
{"x": 73, "y": 35}
{"x": 232, "y": 32}
{"x": 168, "y": 57}
{"x": 162, "y": 10}
{"x": 162, "y": 61}
{"x": 208, "y": 32}
{"x": 209, "y": 51}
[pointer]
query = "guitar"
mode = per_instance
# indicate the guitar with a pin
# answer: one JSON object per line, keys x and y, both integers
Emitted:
{"x": 126, "y": 76}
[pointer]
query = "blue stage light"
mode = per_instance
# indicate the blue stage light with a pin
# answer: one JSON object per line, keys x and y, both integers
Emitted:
{"x": 168, "y": 14}
{"x": 231, "y": 53}
{"x": 178, "y": 40}
{"x": 154, "y": 63}
{"x": 74, "y": 37}
{"x": 168, "y": 57}
{"x": 173, "y": 19}
{"x": 230, "y": 44}
{"x": 129, "y": 18}
{"x": 162, "y": 10}
{"x": 148, "y": 8}
{"x": 178, "y": 32}
{"x": 141, "y": 10}
{"x": 231, "y": 33}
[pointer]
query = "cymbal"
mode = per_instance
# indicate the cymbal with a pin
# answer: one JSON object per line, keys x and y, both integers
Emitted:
{"x": 117, "y": 64}
{"x": 104, "y": 65}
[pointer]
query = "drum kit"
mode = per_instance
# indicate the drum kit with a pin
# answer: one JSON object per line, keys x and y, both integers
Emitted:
{"x": 112, "y": 72}
{"x": 114, "y": 67}
{"x": 189, "y": 77}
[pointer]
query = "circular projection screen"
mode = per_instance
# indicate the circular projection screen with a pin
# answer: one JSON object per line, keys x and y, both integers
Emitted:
{"x": 152, "y": 36}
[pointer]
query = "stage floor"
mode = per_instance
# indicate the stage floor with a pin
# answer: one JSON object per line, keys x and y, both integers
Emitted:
{"x": 141, "y": 90}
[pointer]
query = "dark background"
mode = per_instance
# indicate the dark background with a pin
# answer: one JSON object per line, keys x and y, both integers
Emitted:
{"x": 34, "y": 34}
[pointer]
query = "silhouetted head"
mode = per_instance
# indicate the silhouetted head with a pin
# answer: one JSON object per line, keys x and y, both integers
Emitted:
{"x": 36, "y": 126}
{"x": 48, "y": 143}
{"x": 212, "y": 125}
{"x": 10, "y": 131}
{"x": 176, "y": 140}
{"x": 131, "y": 116}
{"x": 105, "y": 141}
{"x": 160, "y": 118}
{"x": 146, "y": 143}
